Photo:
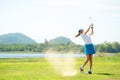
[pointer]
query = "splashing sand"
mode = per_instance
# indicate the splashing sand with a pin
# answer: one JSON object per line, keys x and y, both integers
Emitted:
{"x": 65, "y": 65}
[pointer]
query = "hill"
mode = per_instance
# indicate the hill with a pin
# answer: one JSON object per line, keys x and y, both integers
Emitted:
{"x": 60, "y": 40}
{"x": 16, "y": 38}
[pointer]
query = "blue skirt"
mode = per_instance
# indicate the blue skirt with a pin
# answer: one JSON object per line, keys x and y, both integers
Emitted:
{"x": 89, "y": 49}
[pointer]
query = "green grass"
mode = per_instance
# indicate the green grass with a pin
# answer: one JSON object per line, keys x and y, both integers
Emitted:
{"x": 105, "y": 68}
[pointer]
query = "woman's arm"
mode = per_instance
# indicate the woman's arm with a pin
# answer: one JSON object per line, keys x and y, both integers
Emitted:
{"x": 91, "y": 26}
{"x": 92, "y": 31}
{"x": 87, "y": 30}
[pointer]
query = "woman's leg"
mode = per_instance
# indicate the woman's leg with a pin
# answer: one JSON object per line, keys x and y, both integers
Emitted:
{"x": 86, "y": 61}
{"x": 90, "y": 59}
{"x": 90, "y": 56}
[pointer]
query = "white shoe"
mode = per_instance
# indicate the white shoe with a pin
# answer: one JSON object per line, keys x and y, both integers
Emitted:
{"x": 81, "y": 69}
{"x": 89, "y": 72}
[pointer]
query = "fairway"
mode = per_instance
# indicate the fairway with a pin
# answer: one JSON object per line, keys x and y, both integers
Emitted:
{"x": 105, "y": 68}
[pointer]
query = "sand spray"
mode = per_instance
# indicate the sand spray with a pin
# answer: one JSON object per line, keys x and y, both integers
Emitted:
{"x": 65, "y": 65}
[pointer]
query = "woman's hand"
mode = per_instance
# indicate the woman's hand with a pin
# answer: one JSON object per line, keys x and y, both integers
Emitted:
{"x": 91, "y": 27}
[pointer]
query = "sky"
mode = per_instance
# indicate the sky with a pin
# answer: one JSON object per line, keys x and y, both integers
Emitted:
{"x": 48, "y": 19}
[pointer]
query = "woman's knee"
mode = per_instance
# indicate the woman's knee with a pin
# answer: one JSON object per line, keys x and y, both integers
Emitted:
{"x": 88, "y": 57}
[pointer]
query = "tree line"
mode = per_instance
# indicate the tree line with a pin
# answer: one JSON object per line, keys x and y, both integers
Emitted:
{"x": 106, "y": 47}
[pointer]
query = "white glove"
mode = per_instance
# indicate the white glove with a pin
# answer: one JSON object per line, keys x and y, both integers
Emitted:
{"x": 91, "y": 25}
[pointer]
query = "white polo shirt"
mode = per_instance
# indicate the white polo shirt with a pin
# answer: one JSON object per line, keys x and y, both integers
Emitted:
{"x": 86, "y": 39}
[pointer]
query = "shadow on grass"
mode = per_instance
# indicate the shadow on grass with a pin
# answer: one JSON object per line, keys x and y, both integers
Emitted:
{"x": 104, "y": 74}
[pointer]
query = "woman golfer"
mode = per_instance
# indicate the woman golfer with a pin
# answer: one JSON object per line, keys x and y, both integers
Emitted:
{"x": 88, "y": 47}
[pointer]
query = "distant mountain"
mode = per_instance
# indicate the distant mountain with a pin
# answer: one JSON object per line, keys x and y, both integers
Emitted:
{"x": 60, "y": 40}
{"x": 16, "y": 38}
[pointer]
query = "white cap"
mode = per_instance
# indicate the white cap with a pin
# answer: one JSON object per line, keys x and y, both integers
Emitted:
{"x": 80, "y": 29}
